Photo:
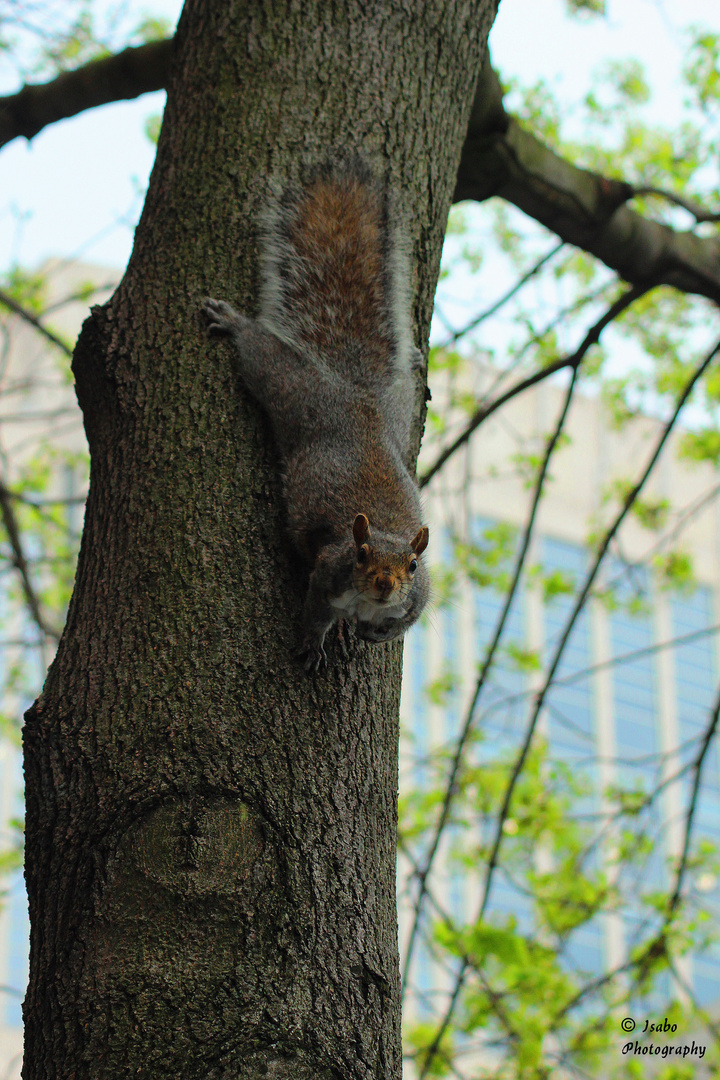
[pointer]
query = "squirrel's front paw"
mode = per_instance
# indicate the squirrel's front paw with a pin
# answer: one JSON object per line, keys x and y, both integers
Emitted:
{"x": 312, "y": 655}
{"x": 222, "y": 317}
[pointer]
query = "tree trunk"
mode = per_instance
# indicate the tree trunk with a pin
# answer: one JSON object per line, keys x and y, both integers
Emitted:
{"x": 211, "y": 833}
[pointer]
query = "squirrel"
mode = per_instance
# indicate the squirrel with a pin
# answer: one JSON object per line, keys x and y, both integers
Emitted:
{"x": 330, "y": 360}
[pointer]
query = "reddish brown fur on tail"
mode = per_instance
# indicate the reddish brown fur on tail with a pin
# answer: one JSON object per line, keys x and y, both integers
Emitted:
{"x": 338, "y": 234}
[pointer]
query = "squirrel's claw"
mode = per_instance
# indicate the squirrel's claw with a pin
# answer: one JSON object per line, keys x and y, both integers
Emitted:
{"x": 313, "y": 656}
{"x": 221, "y": 316}
{"x": 342, "y": 637}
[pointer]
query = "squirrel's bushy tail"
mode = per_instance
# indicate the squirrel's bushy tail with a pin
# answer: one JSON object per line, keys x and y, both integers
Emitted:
{"x": 335, "y": 278}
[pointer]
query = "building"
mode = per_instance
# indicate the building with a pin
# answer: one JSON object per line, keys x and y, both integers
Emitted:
{"x": 633, "y": 694}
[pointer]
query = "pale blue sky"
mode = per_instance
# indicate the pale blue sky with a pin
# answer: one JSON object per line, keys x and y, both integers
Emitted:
{"x": 76, "y": 189}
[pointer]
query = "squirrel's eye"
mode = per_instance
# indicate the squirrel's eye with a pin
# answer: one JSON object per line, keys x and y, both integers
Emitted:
{"x": 413, "y": 566}
{"x": 362, "y": 555}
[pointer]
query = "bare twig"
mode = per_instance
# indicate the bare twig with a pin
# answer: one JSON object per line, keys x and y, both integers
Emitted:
{"x": 572, "y": 361}
{"x": 457, "y": 334}
{"x": 698, "y": 212}
{"x": 21, "y": 564}
{"x": 692, "y": 806}
{"x": 33, "y": 320}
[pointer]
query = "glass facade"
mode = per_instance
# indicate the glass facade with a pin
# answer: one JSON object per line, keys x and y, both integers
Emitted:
{"x": 500, "y": 709}
{"x": 570, "y": 706}
{"x": 695, "y": 695}
{"x": 651, "y": 738}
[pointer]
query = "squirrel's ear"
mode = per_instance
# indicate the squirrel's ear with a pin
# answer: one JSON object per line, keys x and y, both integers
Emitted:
{"x": 421, "y": 541}
{"x": 361, "y": 529}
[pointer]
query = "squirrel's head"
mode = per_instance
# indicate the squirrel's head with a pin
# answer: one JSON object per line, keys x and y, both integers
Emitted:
{"x": 383, "y": 573}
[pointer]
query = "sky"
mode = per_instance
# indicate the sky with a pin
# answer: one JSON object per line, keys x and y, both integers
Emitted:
{"x": 76, "y": 188}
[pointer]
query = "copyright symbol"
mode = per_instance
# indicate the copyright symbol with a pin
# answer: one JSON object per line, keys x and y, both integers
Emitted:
{"x": 628, "y": 1024}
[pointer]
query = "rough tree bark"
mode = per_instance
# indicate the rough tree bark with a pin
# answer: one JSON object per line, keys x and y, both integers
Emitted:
{"x": 210, "y": 833}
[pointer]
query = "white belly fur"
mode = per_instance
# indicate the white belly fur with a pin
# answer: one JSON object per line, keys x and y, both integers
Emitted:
{"x": 354, "y": 605}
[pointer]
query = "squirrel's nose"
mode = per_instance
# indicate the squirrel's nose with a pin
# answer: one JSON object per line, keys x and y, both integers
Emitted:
{"x": 384, "y": 583}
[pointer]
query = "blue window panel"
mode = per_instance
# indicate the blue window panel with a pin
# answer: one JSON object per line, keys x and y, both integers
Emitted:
{"x": 636, "y": 701}
{"x": 699, "y": 651}
{"x": 487, "y": 609}
{"x": 710, "y": 776}
{"x": 450, "y": 641}
{"x": 423, "y": 981}
{"x": 633, "y": 686}
{"x": 570, "y": 707}
{"x": 418, "y": 658}
{"x": 655, "y": 869}
{"x": 631, "y": 676}
{"x": 706, "y": 980}
{"x": 700, "y": 648}
{"x": 636, "y": 719}
{"x": 636, "y": 743}
{"x": 695, "y": 679}
{"x": 562, "y": 555}
{"x": 565, "y": 730}
{"x": 577, "y": 644}
{"x": 707, "y": 818}
{"x": 697, "y": 606}
{"x": 506, "y": 900}
{"x": 503, "y": 681}
{"x": 456, "y": 894}
{"x": 570, "y": 725}
{"x": 633, "y": 716}
{"x": 566, "y": 725}
{"x": 447, "y": 640}
{"x": 695, "y": 698}
{"x": 693, "y": 686}
{"x": 418, "y": 723}
{"x": 584, "y": 951}
{"x": 630, "y": 638}
{"x": 631, "y": 729}
{"x": 575, "y": 697}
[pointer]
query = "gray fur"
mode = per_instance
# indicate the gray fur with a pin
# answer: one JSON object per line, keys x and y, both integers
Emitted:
{"x": 335, "y": 421}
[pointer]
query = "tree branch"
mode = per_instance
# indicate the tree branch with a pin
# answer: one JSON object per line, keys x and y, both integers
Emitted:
{"x": 497, "y": 304}
{"x": 7, "y": 516}
{"x": 486, "y": 408}
{"x": 692, "y": 807}
{"x": 698, "y": 212}
{"x": 581, "y": 207}
{"x": 120, "y": 77}
{"x": 7, "y": 301}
